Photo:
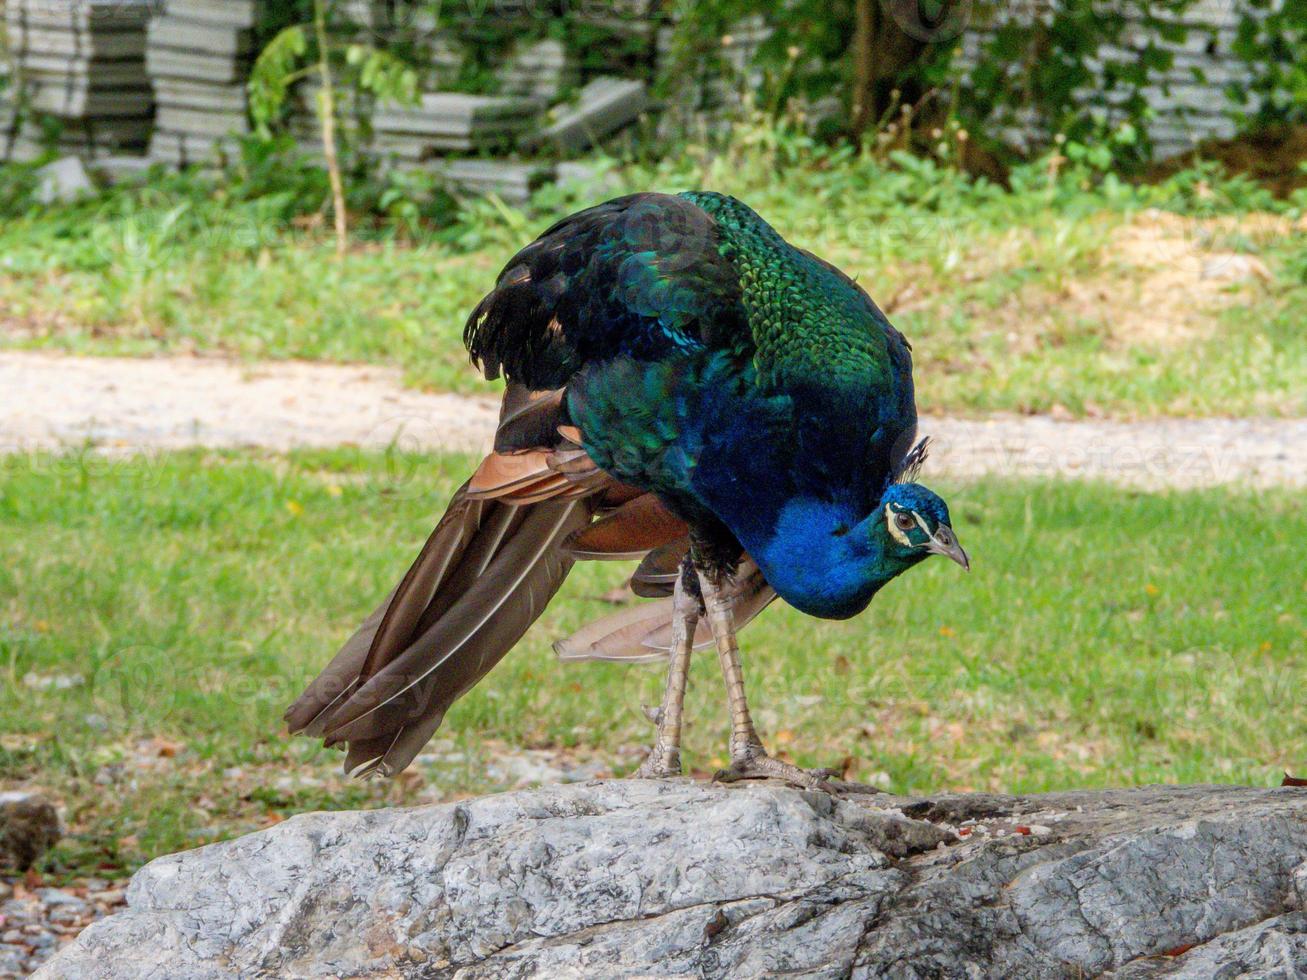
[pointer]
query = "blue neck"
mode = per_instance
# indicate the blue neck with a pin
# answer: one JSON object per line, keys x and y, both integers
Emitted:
{"x": 824, "y": 561}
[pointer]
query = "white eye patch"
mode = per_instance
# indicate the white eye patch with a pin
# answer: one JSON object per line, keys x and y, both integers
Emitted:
{"x": 895, "y": 531}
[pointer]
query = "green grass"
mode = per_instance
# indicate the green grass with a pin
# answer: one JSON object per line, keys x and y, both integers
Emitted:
{"x": 156, "y": 616}
{"x": 1018, "y": 300}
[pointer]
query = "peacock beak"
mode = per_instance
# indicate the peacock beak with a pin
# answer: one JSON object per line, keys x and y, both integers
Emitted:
{"x": 945, "y": 542}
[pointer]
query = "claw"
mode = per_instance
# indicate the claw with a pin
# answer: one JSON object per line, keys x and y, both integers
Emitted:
{"x": 759, "y": 765}
{"x": 659, "y": 765}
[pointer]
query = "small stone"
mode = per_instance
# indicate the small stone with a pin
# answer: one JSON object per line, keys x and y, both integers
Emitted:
{"x": 109, "y": 897}
{"x": 29, "y": 826}
{"x": 57, "y": 896}
{"x": 13, "y": 961}
{"x": 63, "y": 180}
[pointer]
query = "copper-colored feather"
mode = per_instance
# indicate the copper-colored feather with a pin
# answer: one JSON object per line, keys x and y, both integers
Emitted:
{"x": 483, "y": 577}
{"x": 502, "y": 473}
{"x": 501, "y": 551}
{"x": 631, "y": 531}
{"x": 621, "y": 636}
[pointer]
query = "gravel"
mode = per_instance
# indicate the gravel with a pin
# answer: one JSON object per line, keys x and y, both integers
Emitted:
{"x": 36, "y": 921}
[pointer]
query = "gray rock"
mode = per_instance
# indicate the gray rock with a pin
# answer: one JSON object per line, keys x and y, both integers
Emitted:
{"x": 1276, "y": 947}
{"x": 685, "y": 879}
{"x": 29, "y": 826}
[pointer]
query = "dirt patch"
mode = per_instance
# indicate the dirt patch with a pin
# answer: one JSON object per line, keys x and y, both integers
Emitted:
{"x": 1160, "y": 281}
{"x": 1176, "y": 278}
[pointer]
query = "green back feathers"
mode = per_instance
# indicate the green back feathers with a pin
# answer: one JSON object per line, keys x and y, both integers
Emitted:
{"x": 809, "y": 322}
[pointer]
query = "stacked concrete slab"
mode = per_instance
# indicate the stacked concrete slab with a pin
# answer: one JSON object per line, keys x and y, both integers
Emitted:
{"x": 200, "y": 53}
{"x": 79, "y": 73}
{"x": 543, "y": 70}
{"x": 8, "y": 110}
{"x": 604, "y": 106}
{"x": 512, "y": 180}
{"x": 446, "y": 123}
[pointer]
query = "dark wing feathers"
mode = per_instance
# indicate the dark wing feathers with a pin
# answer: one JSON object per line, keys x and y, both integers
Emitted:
{"x": 485, "y": 574}
{"x": 641, "y": 276}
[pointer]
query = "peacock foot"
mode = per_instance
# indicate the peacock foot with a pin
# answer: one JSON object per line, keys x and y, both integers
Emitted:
{"x": 755, "y": 763}
{"x": 660, "y": 763}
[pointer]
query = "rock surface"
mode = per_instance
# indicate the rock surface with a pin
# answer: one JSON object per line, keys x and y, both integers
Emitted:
{"x": 678, "y": 878}
{"x": 29, "y": 826}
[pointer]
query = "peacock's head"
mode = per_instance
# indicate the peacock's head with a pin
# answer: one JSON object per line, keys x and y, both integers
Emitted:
{"x": 916, "y": 525}
{"x": 826, "y": 560}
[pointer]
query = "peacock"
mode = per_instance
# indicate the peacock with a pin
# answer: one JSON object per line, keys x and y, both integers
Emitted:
{"x": 685, "y": 389}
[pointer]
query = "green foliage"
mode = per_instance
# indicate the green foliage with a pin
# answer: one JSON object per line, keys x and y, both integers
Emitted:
{"x": 277, "y": 68}
{"x": 293, "y": 55}
{"x": 1067, "y": 68}
{"x": 1273, "y": 39}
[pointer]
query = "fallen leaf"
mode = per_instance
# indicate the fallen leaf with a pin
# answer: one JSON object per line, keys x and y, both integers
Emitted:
{"x": 165, "y": 748}
{"x": 715, "y": 926}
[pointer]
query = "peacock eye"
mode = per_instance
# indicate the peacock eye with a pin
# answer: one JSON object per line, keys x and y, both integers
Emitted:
{"x": 905, "y": 522}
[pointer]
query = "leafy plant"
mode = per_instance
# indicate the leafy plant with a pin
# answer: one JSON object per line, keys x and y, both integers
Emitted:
{"x": 311, "y": 50}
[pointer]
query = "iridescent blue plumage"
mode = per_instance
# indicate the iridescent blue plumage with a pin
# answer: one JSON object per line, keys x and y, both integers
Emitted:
{"x": 712, "y": 363}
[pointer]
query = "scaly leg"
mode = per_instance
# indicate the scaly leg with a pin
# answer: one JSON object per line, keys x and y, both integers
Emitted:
{"x": 664, "y": 758}
{"x": 749, "y": 760}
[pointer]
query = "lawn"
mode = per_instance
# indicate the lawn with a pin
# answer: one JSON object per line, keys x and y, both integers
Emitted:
{"x": 156, "y": 616}
{"x": 1071, "y": 295}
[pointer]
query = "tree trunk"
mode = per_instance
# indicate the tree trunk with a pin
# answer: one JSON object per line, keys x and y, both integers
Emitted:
{"x": 888, "y": 37}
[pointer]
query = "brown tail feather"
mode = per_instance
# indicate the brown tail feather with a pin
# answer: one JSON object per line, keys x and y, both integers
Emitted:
{"x": 485, "y": 574}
